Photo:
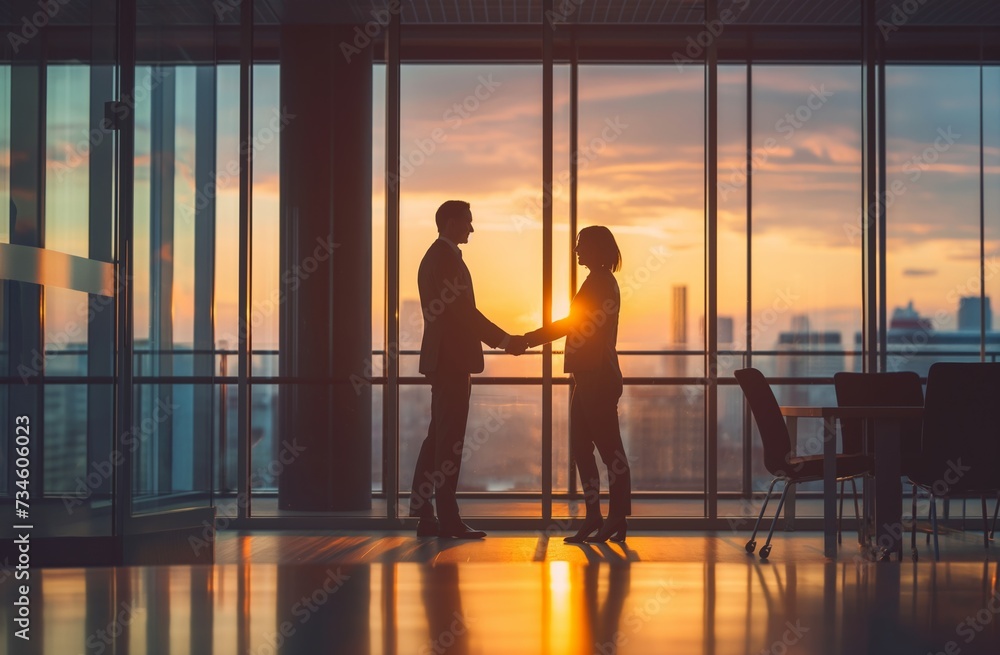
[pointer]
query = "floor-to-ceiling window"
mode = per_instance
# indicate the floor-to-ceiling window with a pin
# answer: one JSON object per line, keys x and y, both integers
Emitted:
{"x": 474, "y": 133}
{"x": 641, "y": 172}
{"x": 788, "y": 274}
{"x": 932, "y": 209}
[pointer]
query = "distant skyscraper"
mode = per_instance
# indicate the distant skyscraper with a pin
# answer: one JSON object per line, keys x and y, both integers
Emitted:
{"x": 800, "y": 324}
{"x": 678, "y": 321}
{"x": 725, "y": 325}
{"x": 804, "y": 353}
{"x": 968, "y": 313}
{"x": 411, "y": 324}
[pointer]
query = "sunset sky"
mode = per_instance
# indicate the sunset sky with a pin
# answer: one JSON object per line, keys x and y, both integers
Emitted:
{"x": 641, "y": 135}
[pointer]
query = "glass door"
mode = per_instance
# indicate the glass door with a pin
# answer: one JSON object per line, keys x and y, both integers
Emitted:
{"x": 175, "y": 149}
{"x": 57, "y": 296}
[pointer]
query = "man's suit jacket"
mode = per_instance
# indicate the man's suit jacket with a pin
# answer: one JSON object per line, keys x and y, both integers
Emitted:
{"x": 591, "y": 329}
{"x": 454, "y": 329}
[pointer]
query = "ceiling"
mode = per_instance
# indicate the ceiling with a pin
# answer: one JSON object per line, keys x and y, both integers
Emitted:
{"x": 499, "y": 12}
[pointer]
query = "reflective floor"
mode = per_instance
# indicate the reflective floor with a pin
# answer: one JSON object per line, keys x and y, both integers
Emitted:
{"x": 517, "y": 593}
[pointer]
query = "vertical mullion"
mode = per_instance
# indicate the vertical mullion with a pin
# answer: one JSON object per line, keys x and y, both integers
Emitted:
{"x": 869, "y": 190}
{"x": 574, "y": 144}
{"x": 204, "y": 262}
{"x": 747, "y": 424}
{"x": 547, "y": 30}
{"x": 122, "y": 478}
{"x": 883, "y": 225}
{"x": 982, "y": 218}
{"x": 245, "y": 244}
{"x": 390, "y": 394}
{"x": 711, "y": 268}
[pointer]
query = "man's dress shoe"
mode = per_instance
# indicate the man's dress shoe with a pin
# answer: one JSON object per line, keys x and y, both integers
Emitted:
{"x": 461, "y": 531}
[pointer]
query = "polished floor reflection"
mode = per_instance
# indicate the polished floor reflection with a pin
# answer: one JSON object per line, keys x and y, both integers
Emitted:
{"x": 288, "y": 594}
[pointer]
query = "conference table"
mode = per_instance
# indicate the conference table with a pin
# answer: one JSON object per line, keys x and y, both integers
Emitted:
{"x": 888, "y": 497}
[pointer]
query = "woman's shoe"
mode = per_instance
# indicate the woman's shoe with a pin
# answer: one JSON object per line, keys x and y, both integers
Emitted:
{"x": 590, "y": 526}
{"x": 613, "y": 529}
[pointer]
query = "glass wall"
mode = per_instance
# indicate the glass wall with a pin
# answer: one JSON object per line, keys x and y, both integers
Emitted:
{"x": 474, "y": 133}
{"x": 57, "y": 187}
{"x": 932, "y": 208}
{"x": 806, "y": 290}
{"x": 787, "y": 272}
{"x": 641, "y": 171}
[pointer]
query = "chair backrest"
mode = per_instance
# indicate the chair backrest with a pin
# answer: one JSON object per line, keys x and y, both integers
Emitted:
{"x": 899, "y": 389}
{"x": 770, "y": 422}
{"x": 961, "y": 428}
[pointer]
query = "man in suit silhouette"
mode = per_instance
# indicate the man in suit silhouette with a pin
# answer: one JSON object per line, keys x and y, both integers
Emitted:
{"x": 450, "y": 352}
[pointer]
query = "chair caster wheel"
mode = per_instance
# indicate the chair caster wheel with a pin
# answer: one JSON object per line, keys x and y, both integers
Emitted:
{"x": 765, "y": 551}
{"x": 751, "y": 546}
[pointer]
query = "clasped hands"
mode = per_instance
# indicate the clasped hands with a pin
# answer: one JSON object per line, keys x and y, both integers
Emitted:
{"x": 516, "y": 345}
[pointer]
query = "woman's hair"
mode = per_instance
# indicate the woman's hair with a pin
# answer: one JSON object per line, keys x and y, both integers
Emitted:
{"x": 605, "y": 247}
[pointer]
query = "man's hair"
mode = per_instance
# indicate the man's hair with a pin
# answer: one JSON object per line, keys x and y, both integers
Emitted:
{"x": 449, "y": 210}
{"x": 605, "y": 247}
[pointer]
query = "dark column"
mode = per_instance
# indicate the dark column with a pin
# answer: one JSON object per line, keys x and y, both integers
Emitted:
{"x": 155, "y": 460}
{"x": 204, "y": 272}
{"x": 22, "y": 300}
{"x": 100, "y": 308}
{"x": 325, "y": 254}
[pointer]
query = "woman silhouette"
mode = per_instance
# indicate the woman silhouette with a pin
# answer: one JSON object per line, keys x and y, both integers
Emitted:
{"x": 591, "y": 332}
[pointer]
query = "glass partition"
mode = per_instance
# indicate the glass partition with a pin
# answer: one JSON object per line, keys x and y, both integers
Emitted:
{"x": 279, "y": 412}
{"x": 57, "y": 186}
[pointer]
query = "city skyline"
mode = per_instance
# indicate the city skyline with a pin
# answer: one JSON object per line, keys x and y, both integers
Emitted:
{"x": 639, "y": 175}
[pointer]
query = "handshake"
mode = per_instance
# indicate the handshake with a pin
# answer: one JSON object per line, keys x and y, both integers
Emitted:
{"x": 516, "y": 345}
